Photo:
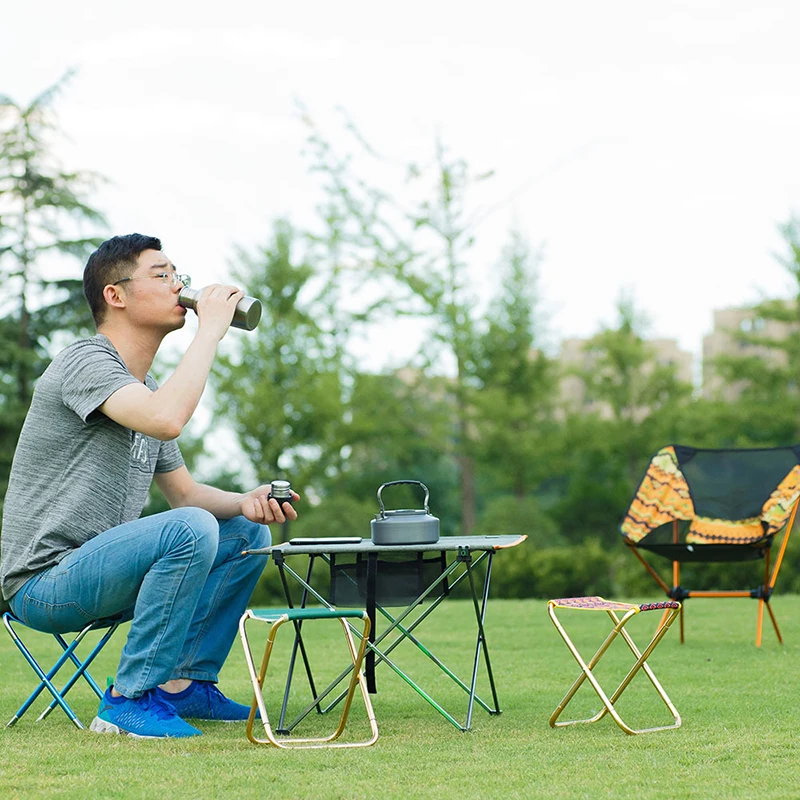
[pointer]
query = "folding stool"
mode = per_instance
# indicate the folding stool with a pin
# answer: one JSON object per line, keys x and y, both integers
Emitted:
{"x": 69, "y": 654}
{"x": 671, "y": 610}
{"x": 275, "y": 619}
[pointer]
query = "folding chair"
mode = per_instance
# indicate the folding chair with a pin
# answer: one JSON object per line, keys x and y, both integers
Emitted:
{"x": 700, "y": 505}
{"x": 671, "y": 610}
{"x": 69, "y": 654}
{"x": 275, "y": 619}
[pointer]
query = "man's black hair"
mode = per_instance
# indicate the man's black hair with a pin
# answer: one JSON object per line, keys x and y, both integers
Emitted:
{"x": 113, "y": 260}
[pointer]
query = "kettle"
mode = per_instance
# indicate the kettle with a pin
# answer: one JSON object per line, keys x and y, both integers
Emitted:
{"x": 405, "y": 525}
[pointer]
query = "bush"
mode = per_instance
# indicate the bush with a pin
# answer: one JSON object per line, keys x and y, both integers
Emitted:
{"x": 508, "y": 514}
{"x": 529, "y": 571}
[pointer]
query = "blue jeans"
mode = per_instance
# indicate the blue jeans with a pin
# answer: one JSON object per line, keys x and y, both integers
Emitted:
{"x": 178, "y": 576}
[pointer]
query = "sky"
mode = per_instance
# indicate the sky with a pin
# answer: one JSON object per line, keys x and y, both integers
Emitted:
{"x": 647, "y": 148}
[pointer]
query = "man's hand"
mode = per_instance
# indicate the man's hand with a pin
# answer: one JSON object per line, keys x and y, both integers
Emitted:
{"x": 215, "y": 308}
{"x": 258, "y": 506}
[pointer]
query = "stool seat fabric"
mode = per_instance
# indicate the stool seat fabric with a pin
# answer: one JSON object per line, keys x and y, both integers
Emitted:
{"x": 307, "y": 613}
{"x": 600, "y": 604}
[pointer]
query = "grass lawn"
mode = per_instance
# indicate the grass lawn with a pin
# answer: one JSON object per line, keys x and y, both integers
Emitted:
{"x": 738, "y": 703}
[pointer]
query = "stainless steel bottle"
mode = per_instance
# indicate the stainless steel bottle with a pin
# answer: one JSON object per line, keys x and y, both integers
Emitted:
{"x": 246, "y": 315}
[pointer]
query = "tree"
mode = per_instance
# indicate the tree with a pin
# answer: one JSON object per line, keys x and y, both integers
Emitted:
{"x": 766, "y": 373}
{"x": 282, "y": 386}
{"x": 415, "y": 250}
{"x": 515, "y": 404}
{"x": 636, "y": 400}
{"x": 44, "y": 212}
{"x": 394, "y": 423}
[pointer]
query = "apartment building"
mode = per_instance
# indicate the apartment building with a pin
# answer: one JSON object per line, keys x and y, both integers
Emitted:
{"x": 728, "y": 338}
{"x": 574, "y": 355}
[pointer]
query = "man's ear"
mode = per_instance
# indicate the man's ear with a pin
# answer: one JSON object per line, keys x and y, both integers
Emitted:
{"x": 114, "y": 296}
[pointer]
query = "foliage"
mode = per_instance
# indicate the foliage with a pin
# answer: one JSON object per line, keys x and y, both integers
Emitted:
{"x": 44, "y": 212}
{"x": 282, "y": 388}
{"x": 766, "y": 373}
{"x": 514, "y": 409}
{"x": 396, "y": 429}
{"x": 416, "y": 249}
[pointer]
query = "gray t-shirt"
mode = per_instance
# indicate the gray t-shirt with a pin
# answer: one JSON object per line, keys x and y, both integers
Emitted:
{"x": 76, "y": 473}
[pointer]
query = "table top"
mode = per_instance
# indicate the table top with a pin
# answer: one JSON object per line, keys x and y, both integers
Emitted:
{"x": 444, "y": 543}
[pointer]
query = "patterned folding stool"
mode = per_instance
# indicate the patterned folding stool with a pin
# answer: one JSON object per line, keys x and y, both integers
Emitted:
{"x": 671, "y": 610}
{"x": 275, "y": 619}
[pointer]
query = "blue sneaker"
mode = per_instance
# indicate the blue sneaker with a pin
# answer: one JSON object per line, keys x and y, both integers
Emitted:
{"x": 146, "y": 717}
{"x": 202, "y": 700}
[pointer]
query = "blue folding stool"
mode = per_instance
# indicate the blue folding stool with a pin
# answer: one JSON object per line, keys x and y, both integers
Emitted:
{"x": 69, "y": 654}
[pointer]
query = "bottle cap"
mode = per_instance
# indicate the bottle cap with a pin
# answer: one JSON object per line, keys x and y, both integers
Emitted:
{"x": 281, "y": 490}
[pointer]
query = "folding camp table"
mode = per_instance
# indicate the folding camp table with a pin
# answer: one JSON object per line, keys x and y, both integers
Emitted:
{"x": 425, "y": 576}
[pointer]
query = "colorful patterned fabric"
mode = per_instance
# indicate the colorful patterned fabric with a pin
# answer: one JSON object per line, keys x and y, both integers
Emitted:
{"x": 779, "y": 506}
{"x": 600, "y": 604}
{"x": 663, "y": 496}
{"x": 723, "y": 531}
{"x": 591, "y": 604}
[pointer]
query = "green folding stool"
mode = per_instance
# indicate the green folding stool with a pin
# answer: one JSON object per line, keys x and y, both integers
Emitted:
{"x": 275, "y": 619}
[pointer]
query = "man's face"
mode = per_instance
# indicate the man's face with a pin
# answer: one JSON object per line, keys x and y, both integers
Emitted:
{"x": 152, "y": 293}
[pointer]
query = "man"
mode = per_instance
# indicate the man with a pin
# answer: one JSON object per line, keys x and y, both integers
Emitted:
{"x": 74, "y": 547}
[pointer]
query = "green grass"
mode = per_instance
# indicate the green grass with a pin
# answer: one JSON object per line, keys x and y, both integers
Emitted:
{"x": 738, "y": 703}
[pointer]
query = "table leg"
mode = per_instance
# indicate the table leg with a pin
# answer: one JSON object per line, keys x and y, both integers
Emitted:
{"x": 480, "y": 616}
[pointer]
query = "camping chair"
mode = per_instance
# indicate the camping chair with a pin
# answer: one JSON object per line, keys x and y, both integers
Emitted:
{"x": 10, "y": 622}
{"x": 700, "y": 505}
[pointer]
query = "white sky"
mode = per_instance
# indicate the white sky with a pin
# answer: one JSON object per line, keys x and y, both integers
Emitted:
{"x": 650, "y": 147}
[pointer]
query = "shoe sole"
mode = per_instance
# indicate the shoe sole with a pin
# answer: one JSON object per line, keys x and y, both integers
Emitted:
{"x": 101, "y": 726}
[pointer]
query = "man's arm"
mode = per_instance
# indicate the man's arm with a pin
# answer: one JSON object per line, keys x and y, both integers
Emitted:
{"x": 181, "y": 489}
{"x": 162, "y": 414}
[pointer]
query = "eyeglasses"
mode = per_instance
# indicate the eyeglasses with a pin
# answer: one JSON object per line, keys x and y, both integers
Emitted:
{"x": 168, "y": 278}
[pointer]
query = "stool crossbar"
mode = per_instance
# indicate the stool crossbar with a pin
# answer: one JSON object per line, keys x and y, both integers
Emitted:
{"x": 627, "y": 611}
{"x": 275, "y": 619}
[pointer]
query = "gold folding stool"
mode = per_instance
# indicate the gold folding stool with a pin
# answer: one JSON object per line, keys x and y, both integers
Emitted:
{"x": 275, "y": 619}
{"x": 671, "y": 610}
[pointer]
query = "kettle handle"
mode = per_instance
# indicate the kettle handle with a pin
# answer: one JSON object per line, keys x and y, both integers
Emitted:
{"x": 395, "y": 483}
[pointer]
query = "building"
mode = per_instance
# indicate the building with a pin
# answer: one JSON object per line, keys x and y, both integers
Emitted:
{"x": 574, "y": 356}
{"x": 728, "y": 338}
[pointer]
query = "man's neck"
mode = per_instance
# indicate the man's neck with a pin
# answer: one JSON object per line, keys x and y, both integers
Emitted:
{"x": 137, "y": 347}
